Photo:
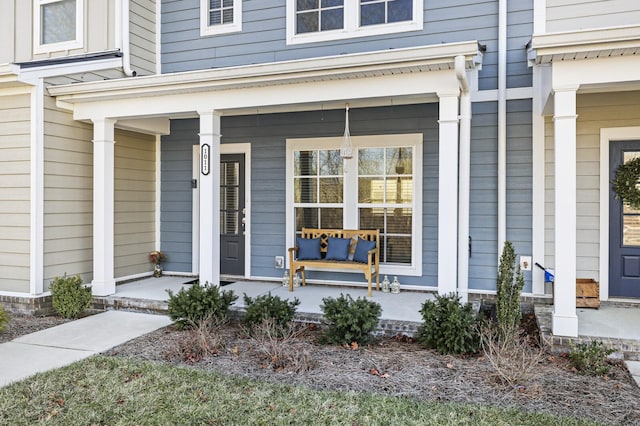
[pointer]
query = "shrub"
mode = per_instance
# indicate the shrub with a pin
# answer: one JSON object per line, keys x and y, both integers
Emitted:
{"x": 509, "y": 287}
{"x": 268, "y": 306}
{"x": 189, "y": 306}
{"x": 69, "y": 297}
{"x": 350, "y": 320}
{"x": 279, "y": 347}
{"x": 448, "y": 326}
{"x": 514, "y": 360}
{"x": 200, "y": 340}
{"x": 591, "y": 358}
{"x": 4, "y": 319}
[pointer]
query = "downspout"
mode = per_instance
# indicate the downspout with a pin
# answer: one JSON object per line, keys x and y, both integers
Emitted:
{"x": 123, "y": 41}
{"x": 502, "y": 124}
{"x": 464, "y": 179}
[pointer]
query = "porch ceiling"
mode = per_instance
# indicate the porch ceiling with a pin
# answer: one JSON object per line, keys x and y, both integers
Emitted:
{"x": 402, "y": 75}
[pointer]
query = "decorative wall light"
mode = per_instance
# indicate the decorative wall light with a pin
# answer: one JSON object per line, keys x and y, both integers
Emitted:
{"x": 346, "y": 149}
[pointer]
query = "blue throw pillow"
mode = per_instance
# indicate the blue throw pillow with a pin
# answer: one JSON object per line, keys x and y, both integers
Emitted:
{"x": 362, "y": 250}
{"x": 338, "y": 248}
{"x": 308, "y": 248}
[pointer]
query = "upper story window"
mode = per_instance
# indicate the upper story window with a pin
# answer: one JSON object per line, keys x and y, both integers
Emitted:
{"x": 319, "y": 15}
{"x": 374, "y": 12}
{"x": 220, "y": 16}
{"x": 323, "y": 20}
{"x": 58, "y": 25}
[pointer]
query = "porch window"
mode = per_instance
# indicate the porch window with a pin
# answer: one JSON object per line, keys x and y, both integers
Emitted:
{"x": 323, "y": 20}
{"x": 318, "y": 189}
{"x": 385, "y": 199}
{"x": 57, "y": 25}
{"x": 220, "y": 16}
{"x": 379, "y": 188}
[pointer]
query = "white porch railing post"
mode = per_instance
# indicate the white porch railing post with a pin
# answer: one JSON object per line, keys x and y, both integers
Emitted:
{"x": 210, "y": 197}
{"x": 448, "y": 193}
{"x": 103, "y": 283}
{"x": 565, "y": 320}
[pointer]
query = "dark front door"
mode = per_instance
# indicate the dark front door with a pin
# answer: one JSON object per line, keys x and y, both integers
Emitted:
{"x": 624, "y": 230}
{"x": 232, "y": 214}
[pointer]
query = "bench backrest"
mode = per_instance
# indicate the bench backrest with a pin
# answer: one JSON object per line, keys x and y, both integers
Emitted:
{"x": 324, "y": 234}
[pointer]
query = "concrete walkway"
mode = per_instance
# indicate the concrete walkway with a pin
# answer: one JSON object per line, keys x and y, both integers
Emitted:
{"x": 67, "y": 343}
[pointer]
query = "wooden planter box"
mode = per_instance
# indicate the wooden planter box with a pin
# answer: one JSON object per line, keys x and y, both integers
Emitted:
{"x": 587, "y": 293}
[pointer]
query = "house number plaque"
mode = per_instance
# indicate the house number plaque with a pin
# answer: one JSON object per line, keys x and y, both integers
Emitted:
{"x": 205, "y": 158}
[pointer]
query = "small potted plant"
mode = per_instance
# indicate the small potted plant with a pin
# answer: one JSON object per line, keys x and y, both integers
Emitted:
{"x": 157, "y": 257}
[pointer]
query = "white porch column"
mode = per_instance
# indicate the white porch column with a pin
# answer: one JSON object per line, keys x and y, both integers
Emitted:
{"x": 103, "y": 283}
{"x": 565, "y": 320}
{"x": 448, "y": 194}
{"x": 210, "y": 197}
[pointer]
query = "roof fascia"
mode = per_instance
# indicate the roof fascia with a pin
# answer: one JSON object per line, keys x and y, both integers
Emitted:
{"x": 272, "y": 73}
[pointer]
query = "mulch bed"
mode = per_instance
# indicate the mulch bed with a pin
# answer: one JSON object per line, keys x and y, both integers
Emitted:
{"x": 20, "y": 324}
{"x": 400, "y": 367}
{"x": 390, "y": 366}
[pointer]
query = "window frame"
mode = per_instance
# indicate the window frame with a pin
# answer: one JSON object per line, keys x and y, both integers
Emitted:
{"x": 352, "y": 26}
{"x": 351, "y": 205}
{"x": 208, "y": 30}
{"x": 76, "y": 43}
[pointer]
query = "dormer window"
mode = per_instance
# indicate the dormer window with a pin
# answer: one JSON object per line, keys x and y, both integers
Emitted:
{"x": 220, "y": 16}
{"x": 325, "y": 20}
{"x": 58, "y": 25}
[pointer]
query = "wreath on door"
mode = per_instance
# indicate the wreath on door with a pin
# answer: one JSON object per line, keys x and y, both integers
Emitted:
{"x": 625, "y": 183}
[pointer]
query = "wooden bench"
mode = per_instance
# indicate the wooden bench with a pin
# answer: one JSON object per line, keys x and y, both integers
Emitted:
{"x": 371, "y": 268}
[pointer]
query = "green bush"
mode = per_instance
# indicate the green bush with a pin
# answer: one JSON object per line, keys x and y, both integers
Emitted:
{"x": 350, "y": 320}
{"x": 189, "y": 306}
{"x": 509, "y": 287}
{"x": 69, "y": 297}
{"x": 448, "y": 326}
{"x": 591, "y": 358}
{"x": 269, "y": 307}
{"x": 4, "y": 319}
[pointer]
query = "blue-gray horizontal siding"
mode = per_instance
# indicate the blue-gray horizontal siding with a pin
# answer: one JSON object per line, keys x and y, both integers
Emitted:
{"x": 483, "y": 198}
{"x": 263, "y": 36}
{"x": 267, "y": 135}
{"x": 176, "y": 196}
{"x": 483, "y": 263}
{"x": 519, "y": 180}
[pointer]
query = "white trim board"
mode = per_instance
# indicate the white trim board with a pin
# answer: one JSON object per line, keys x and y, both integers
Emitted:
{"x": 415, "y": 140}
{"x": 229, "y": 148}
{"x": 608, "y": 135}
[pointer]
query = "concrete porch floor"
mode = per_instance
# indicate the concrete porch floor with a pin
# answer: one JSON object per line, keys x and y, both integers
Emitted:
{"x": 400, "y": 312}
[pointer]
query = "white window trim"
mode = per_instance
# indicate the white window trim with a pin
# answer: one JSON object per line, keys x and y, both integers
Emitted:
{"x": 208, "y": 30}
{"x": 65, "y": 45}
{"x": 413, "y": 140}
{"x": 351, "y": 28}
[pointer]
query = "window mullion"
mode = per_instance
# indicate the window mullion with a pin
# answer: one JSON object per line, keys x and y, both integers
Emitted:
{"x": 351, "y": 15}
{"x": 351, "y": 193}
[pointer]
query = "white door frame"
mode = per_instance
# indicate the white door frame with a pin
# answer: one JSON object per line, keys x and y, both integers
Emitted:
{"x": 607, "y": 135}
{"x": 232, "y": 148}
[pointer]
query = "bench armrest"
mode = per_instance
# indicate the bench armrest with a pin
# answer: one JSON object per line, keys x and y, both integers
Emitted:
{"x": 370, "y": 256}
